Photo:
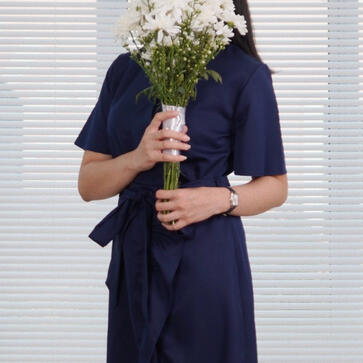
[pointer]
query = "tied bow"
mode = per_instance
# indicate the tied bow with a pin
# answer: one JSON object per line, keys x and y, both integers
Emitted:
{"x": 142, "y": 246}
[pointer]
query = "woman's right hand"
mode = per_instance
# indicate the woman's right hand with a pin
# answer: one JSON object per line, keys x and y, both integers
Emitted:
{"x": 149, "y": 150}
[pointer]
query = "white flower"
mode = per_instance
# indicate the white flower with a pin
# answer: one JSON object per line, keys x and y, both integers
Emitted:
{"x": 210, "y": 6}
{"x": 167, "y": 40}
{"x": 163, "y": 19}
{"x": 227, "y": 5}
{"x": 207, "y": 15}
{"x": 223, "y": 30}
{"x": 238, "y": 21}
{"x": 160, "y": 22}
{"x": 172, "y": 9}
{"x": 146, "y": 55}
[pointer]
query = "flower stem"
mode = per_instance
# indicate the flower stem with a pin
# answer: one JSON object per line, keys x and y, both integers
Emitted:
{"x": 171, "y": 178}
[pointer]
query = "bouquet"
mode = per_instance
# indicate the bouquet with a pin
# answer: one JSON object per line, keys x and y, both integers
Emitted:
{"x": 173, "y": 41}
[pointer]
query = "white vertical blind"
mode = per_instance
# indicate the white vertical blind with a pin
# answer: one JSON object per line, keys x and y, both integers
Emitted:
{"x": 53, "y": 58}
{"x": 306, "y": 256}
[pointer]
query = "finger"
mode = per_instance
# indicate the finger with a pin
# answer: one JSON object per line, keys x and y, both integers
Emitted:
{"x": 159, "y": 156}
{"x": 164, "y": 205}
{"x": 167, "y": 217}
{"x": 159, "y": 117}
{"x": 163, "y": 157}
{"x": 172, "y": 144}
{"x": 166, "y": 134}
{"x": 165, "y": 193}
{"x": 178, "y": 224}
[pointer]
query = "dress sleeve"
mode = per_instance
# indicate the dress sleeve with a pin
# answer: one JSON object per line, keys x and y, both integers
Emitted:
{"x": 93, "y": 135}
{"x": 257, "y": 142}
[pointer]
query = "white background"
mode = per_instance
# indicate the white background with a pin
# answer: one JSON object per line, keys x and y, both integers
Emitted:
{"x": 306, "y": 256}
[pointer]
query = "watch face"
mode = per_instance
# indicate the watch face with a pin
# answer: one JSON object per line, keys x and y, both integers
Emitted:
{"x": 234, "y": 199}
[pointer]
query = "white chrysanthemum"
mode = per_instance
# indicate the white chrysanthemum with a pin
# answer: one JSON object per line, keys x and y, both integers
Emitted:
{"x": 196, "y": 25}
{"x": 207, "y": 15}
{"x": 159, "y": 22}
{"x": 223, "y": 30}
{"x": 210, "y": 6}
{"x": 164, "y": 17}
{"x": 238, "y": 21}
{"x": 128, "y": 21}
{"x": 146, "y": 55}
{"x": 227, "y": 5}
{"x": 174, "y": 10}
{"x": 167, "y": 40}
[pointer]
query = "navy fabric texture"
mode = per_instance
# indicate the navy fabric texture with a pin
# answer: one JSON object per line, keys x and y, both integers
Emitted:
{"x": 184, "y": 296}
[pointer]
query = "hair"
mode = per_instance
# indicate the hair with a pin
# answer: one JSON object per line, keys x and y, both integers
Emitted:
{"x": 246, "y": 42}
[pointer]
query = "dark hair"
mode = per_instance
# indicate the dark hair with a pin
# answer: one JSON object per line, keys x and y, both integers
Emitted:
{"x": 246, "y": 42}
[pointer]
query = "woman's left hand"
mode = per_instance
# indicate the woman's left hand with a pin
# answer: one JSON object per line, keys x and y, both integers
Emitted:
{"x": 189, "y": 205}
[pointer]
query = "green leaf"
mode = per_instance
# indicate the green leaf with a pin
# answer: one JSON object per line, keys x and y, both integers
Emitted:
{"x": 145, "y": 91}
{"x": 215, "y": 75}
{"x": 205, "y": 75}
{"x": 181, "y": 90}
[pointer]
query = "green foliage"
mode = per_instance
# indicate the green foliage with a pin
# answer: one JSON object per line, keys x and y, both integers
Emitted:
{"x": 174, "y": 70}
{"x": 215, "y": 75}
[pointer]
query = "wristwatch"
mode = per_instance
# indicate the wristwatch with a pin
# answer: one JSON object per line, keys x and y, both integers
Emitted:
{"x": 233, "y": 200}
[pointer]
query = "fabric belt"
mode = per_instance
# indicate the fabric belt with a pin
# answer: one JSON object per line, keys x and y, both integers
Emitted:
{"x": 131, "y": 225}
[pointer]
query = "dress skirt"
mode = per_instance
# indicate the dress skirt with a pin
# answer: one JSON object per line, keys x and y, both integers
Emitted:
{"x": 180, "y": 296}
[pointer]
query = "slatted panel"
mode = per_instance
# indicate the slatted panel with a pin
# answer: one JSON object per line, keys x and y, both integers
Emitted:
{"x": 53, "y": 58}
{"x": 306, "y": 256}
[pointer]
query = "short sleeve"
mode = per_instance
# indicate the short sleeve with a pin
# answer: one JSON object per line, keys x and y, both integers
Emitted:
{"x": 257, "y": 142}
{"x": 93, "y": 135}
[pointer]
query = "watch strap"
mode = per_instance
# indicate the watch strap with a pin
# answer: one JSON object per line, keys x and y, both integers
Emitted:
{"x": 233, "y": 206}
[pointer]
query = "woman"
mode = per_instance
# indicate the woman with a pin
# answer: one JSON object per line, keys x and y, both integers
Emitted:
{"x": 182, "y": 292}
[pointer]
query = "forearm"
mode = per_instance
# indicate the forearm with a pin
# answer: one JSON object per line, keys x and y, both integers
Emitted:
{"x": 255, "y": 197}
{"x": 103, "y": 179}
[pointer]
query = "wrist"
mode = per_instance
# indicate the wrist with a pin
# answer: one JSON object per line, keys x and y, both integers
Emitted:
{"x": 132, "y": 162}
{"x": 221, "y": 200}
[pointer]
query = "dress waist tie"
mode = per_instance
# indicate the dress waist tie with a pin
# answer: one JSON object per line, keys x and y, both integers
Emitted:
{"x": 136, "y": 255}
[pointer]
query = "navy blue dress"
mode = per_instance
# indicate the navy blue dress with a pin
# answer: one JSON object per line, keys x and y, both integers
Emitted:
{"x": 184, "y": 296}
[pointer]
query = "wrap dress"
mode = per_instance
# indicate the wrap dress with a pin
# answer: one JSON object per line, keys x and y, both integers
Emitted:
{"x": 184, "y": 296}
